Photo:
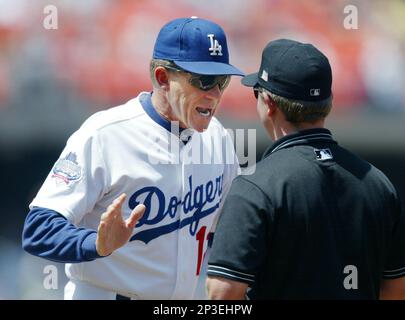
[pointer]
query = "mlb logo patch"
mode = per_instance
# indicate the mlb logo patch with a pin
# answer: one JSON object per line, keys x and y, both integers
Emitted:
{"x": 315, "y": 92}
{"x": 323, "y": 154}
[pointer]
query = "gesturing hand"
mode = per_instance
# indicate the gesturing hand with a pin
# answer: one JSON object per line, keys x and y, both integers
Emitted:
{"x": 113, "y": 231}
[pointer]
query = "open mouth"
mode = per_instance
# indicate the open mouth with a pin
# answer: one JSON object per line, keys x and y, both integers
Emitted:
{"x": 205, "y": 112}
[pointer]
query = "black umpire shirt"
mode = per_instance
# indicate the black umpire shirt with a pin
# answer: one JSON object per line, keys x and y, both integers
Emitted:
{"x": 314, "y": 221}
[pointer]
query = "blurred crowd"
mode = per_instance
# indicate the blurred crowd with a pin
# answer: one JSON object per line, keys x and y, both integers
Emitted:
{"x": 99, "y": 54}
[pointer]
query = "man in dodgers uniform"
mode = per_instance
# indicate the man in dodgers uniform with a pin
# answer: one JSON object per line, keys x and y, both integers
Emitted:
{"x": 161, "y": 163}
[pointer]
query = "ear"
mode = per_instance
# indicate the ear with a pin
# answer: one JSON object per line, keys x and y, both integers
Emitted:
{"x": 162, "y": 78}
{"x": 271, "y": 105}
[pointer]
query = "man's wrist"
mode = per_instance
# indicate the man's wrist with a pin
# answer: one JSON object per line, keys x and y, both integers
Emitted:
{"x": 88, "y": 247}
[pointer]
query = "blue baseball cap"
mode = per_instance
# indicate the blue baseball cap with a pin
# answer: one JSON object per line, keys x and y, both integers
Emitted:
{"x": 195, "y": 45}
{"x": 293, "y": 70}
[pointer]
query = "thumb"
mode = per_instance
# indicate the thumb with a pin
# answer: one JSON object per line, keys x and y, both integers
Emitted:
{"x": 136, "y": 214}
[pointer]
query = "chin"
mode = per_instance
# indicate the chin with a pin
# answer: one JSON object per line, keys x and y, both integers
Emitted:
{"x": 200, "y": 129}
{"x": 199, "y": 126}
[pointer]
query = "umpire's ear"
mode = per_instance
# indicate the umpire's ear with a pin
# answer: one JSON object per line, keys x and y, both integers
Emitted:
{"x": 271, "y": 104}
{"x": 162, "y": 78}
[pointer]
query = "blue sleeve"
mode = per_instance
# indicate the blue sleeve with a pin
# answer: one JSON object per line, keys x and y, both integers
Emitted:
{"x": 48, "y": 234}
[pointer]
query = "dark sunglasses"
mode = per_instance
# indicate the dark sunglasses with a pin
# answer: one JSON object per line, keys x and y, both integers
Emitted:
{"x": 205, "y": 82}
{"x": 256, "y": 91}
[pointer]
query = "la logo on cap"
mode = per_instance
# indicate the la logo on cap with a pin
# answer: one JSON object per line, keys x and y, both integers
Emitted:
{"x": 216, "y": 48}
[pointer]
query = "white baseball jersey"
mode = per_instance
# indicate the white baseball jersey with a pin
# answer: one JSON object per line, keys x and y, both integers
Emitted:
{"x": 125, "y": 150}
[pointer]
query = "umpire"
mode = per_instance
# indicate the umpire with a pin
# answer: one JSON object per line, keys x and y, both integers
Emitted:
{"x": 314, "y": 221}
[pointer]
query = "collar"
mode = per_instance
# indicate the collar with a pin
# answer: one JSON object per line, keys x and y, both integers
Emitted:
{"x": 146, "y": 103}
{"x": 300, "y": 137}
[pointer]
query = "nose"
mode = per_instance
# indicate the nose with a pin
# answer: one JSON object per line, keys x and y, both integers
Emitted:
{"x": 214, "y": 93}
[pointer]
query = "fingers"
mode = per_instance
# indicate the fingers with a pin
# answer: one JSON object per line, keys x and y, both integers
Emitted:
{"x": 120, "y": 199}
{"x": 136, "y": 214}
{"x": 114, "y": 209}
{"x": 117, "y": 203}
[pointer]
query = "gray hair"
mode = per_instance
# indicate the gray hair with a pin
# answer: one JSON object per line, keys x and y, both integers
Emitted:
{"x": 154, "y": 63}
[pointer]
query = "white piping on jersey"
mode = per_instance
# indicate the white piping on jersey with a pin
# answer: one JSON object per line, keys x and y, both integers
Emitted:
{"x": 395, "y": 270}
{"x": 231, "y": 275}
{"x": 242, "y": 273}
{"x": 394, "y": 275}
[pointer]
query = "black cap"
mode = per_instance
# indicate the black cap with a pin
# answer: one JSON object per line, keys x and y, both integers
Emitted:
{"x": 293, "y": 70}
